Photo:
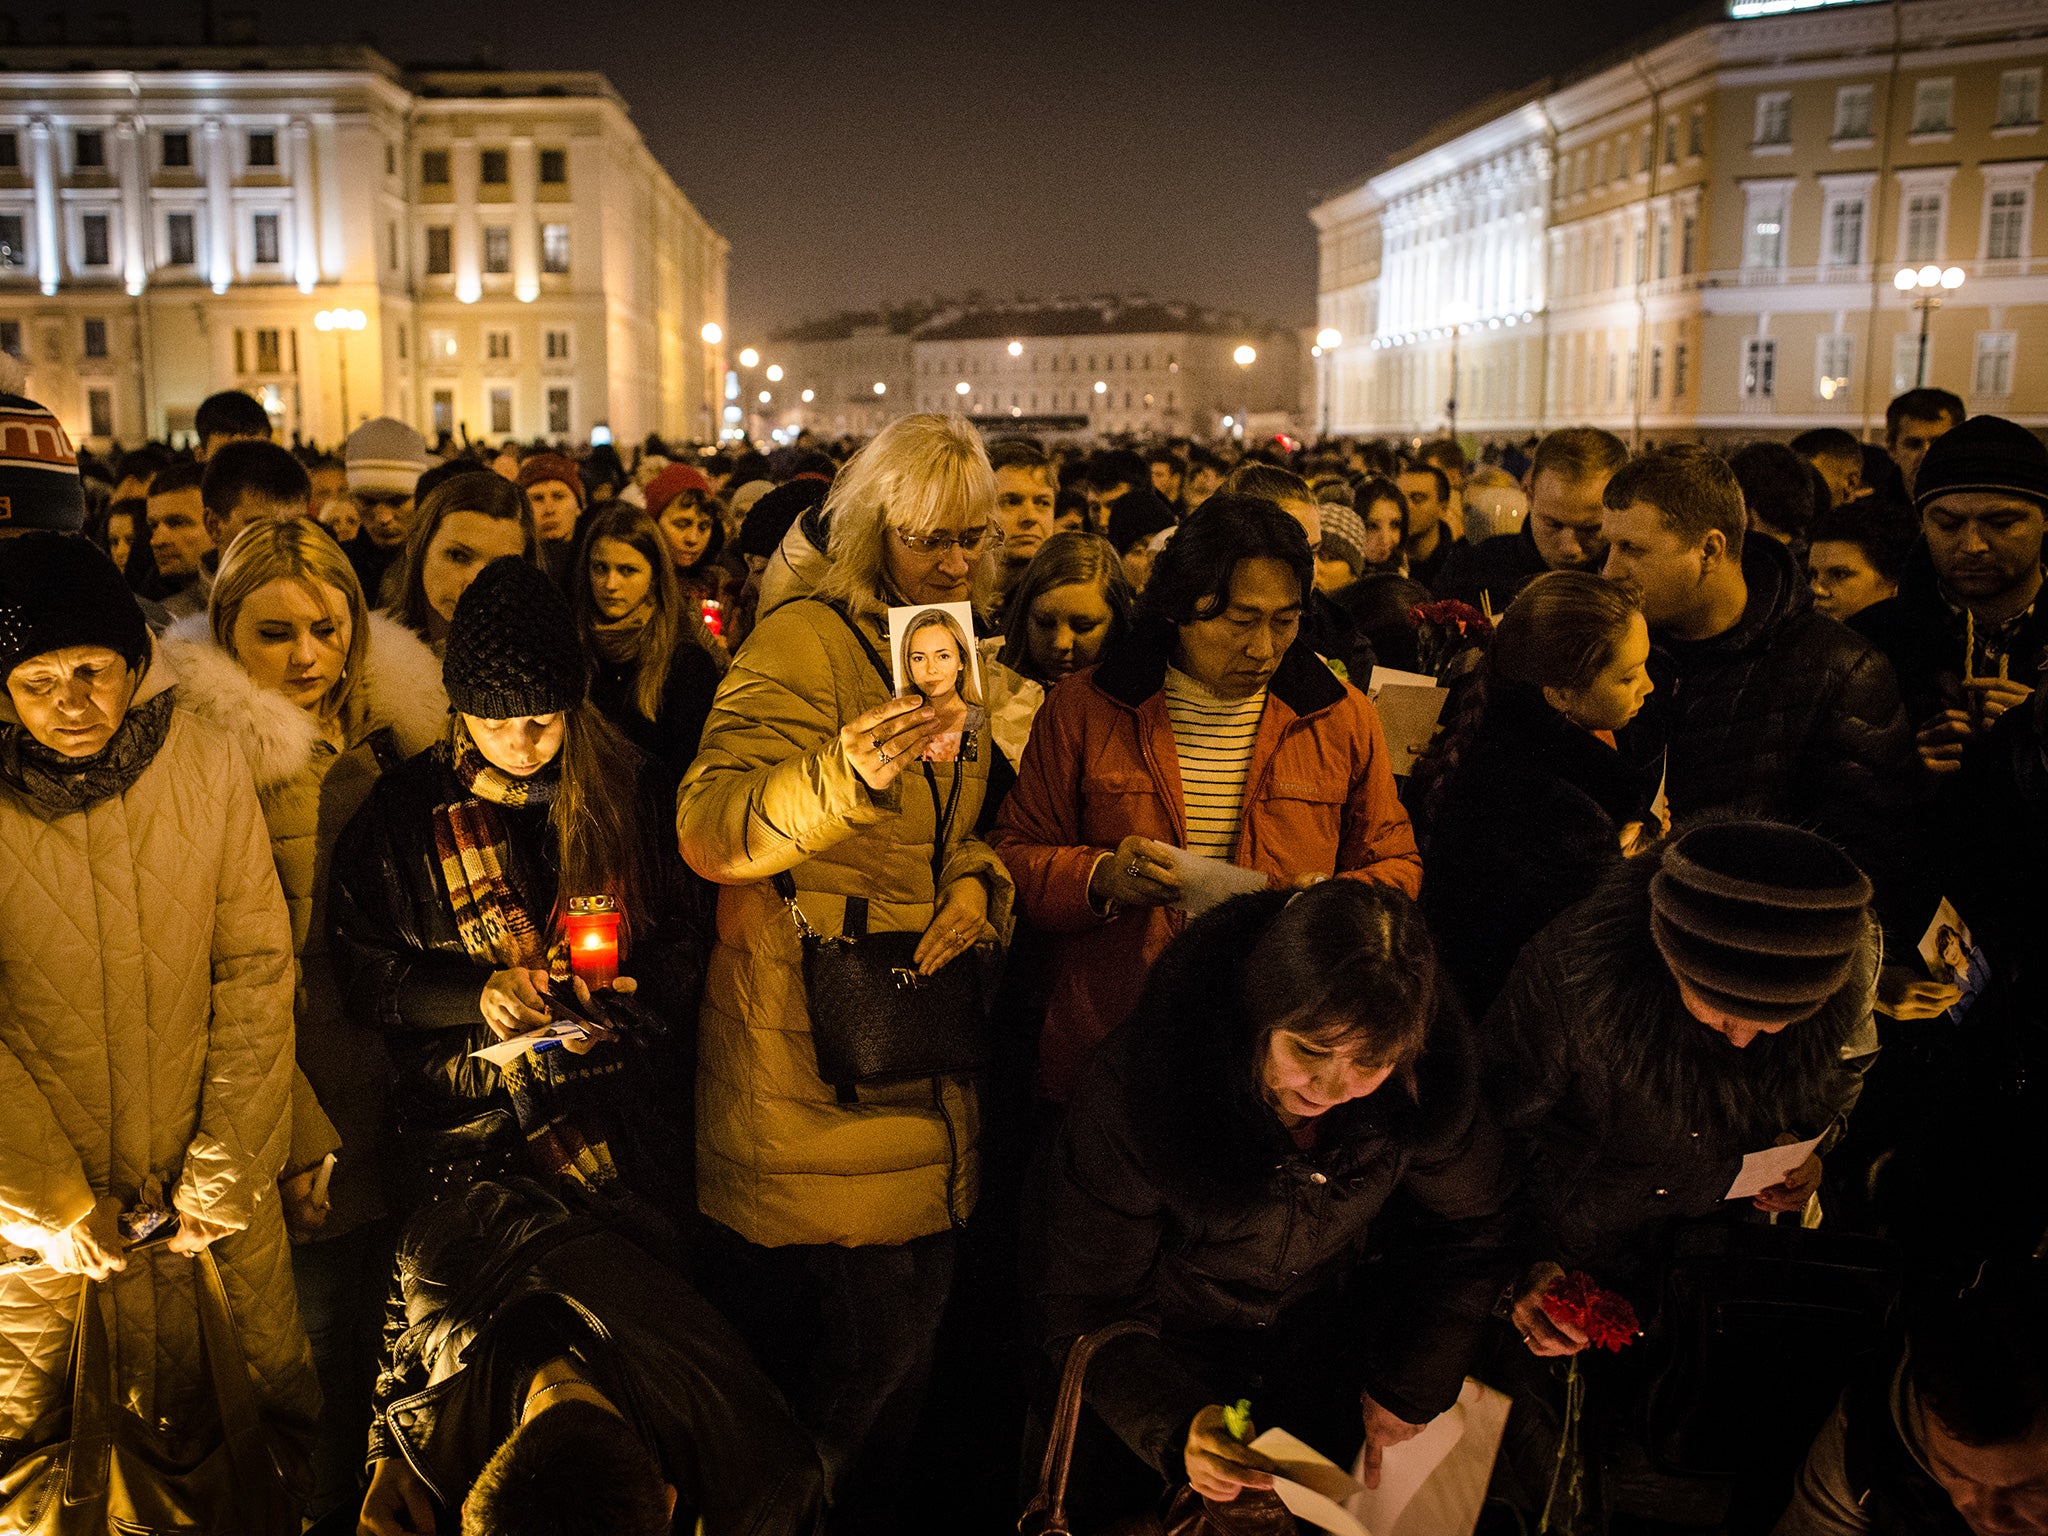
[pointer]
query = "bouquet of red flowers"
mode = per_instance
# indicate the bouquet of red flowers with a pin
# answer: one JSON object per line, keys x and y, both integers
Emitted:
{"x": 1607, "y": 1320}
{"x": 1445, "y": 632}
{"x": 1578, "y": 1301}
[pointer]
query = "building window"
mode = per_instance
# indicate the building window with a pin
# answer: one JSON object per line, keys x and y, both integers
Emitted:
{"x": 1993, "y": 371}
{"x": 391, "y": 244}
{"x": 1765, "y": 245}
{"x": 441, "y": 346}
{"x": 440, "y": 251}
{"x": 266, "y": 239}
{"x": 99, "y": 411}
{"x": 2019, "y": 98}
{"x": 1832, "y": 358}
{"x": 13, "y": 240}
{"x": 1934, "y": 106}
{"x": 1663, "y": 249}
{"x": 558, "y": 413}
{"x": 10, "y": 337}
{"x": 554, "y": 167}
{"x": 498, "y": 345}
{"x": 1649, "y": 150}
{"x": 1852, "y": 112}
{"x": 89, "y": 149}
{"x": 501, "y": 410}
{"x": 95, "y": 338}
{"x": 1759, "y": 368}
{"x": 1773, "y": 119}
{"x": 1696, "y": 136}
{"x": 1923, "y": 227}
{"x": 444, "y": 412}
{"x": 177, "y": 151}
{"x": 1845, "y": 232}
{"x": 269, "y": 354}
{"x": 94, "y": 227}
{"x": 497, "y": 248}
{"x": 497, "y": 171}
{"x": 1656, "y": 373}
{"x": 554, "y": 248}
{"x": 2005, "y": 232}
{"x": 181, "y": 240}
{"x": 1671, "y": 141}
{"x": 390, "y": 158}
{"x": 399, "y": 336}
{"x": 263, "y": 149}
{"x": 433, "y": 167}
{"x": 558, "y": 346}
{"x": 1689, "y": 244}
{"x": 10, "y": 152}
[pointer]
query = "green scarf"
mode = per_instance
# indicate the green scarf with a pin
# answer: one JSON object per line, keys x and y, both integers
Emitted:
{"x": 65, "y": 784}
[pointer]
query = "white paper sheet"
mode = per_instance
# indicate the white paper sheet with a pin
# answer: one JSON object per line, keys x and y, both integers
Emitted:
{"x": 1761, "y": 1170}
{"x": 503, "y": 1053}
{"x": 1205, "y": 883}
{"x": 1313, "y": 1487}
{"x": 1435, "y": 1484}
{"x": 1381, "y": 676}
{"x": 1408, "y": 715}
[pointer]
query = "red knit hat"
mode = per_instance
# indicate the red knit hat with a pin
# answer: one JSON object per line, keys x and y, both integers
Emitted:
{"x": 672, "y": 482}
{"x": 550, "y": 466}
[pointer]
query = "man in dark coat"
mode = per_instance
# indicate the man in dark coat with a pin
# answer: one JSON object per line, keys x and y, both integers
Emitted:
{"x": 544, "y": 1357}
{"x": 1562, "y": 531}
{"x": 1973, "y": 582}
{"x": 1762, "y": 705}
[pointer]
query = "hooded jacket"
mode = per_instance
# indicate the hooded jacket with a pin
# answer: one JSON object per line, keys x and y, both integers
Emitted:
{"x": 146, "y": 1032}
{"x": 495, "y": 1281}
{"x": 1867, "y": 1473}
{"x": 1101, "y": 765}
{"x": 1624, "y": 1113}
{"x": 309, "y": 791}
{"x": 1530, "y": 820}
{"x": 1178, "y": 1198}
{"x": 1786, "y": 715}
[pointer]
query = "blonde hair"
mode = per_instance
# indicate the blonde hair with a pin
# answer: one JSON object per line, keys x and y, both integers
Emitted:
{"x": 919, "y": 471}
{"x": 938, "y": 618}
{"x": 301, "y": 550}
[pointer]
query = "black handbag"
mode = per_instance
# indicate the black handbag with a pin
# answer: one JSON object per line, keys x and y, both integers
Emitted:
{"x": 874, "y": 1019}
{"x": 1762, "y": 1326}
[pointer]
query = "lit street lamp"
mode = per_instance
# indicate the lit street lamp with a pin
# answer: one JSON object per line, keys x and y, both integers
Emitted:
{"x": 749, "y": 358}
{"x": 712, "y": 333}
{"x": 1328, "y": 340}
{"x": 1928, "y": 283}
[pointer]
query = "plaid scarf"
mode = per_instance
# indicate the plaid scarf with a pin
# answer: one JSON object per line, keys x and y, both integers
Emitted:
{"x": 557, "y": 1096}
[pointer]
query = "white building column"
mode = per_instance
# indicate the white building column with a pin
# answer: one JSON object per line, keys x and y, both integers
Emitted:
{"x": 49, "y": 249}
{"x": 128, "y": 166}
{"x": 305, "y": 241}
{"x": 220, "y": 213}
{"x": 467, "y": 236}
{"x": 525, "y": 229}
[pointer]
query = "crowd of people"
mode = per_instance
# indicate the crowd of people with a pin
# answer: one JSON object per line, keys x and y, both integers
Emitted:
{"x": 651, "y": 1025}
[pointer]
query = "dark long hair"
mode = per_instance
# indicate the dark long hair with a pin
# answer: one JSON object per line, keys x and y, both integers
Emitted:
{"x": 667, "y": 628}
{"x": 1191, "y": 578}
{"x": 1065, "y": 560}
{"x": 596, "y": 815}
{"x": 475, "y": 490}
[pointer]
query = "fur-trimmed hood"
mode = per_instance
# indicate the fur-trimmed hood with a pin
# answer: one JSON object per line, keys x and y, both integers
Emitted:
{"x": 1630, "y": 1018}
{"x": 401, "y": 690}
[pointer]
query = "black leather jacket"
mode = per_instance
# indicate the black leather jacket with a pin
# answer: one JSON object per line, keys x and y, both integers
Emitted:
{"x": 490, "y": 1280}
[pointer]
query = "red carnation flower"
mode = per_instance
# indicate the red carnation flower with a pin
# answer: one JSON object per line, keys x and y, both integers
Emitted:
{"x": 1607, "y": 1319}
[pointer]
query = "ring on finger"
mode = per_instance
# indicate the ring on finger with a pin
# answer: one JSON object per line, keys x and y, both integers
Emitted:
{"x": 1132, "y": 869}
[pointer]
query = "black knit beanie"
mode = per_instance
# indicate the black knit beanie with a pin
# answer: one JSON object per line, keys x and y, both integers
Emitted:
{"x": 39, "y": 481}
{"x": 512, "y": 647}
{"x": 1985, "y": 453}
{"x": 769, "y": 519}
{"x": 1760, "y": 919}
{"x": 59, "y": 590}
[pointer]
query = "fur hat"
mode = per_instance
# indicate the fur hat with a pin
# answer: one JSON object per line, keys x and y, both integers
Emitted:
{"x": 512, "y": 646}
{"x": 1760, "y": 919}
{"x": 39, "y": 483}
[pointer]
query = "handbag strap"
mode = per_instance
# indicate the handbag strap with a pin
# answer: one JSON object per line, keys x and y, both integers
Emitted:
{"x": 93, "y": 1394}
{"x": 1051, "y": 1499}
{"x": 241, "y": 1416}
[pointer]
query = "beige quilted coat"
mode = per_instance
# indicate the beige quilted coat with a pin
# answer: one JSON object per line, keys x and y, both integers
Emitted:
{"x": 779, "y": 1159}
{"x": 146, "y": 1028}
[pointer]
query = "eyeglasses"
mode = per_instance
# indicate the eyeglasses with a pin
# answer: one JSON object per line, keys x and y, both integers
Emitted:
{"x": 967, "y": 541}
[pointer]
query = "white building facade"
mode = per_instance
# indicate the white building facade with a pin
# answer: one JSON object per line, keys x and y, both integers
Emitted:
{"x": 487, "y": 253}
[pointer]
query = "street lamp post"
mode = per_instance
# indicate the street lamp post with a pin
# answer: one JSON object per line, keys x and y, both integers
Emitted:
{"x": 1328, "y": 340}
{"x": 344, "y": 321}
{"x": 1925, "y": 287}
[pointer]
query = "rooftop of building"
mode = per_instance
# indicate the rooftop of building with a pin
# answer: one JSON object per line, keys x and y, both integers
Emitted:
{"x": 975, "y": 319}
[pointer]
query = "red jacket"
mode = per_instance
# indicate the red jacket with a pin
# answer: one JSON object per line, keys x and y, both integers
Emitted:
{"x": 1101, "y": 765}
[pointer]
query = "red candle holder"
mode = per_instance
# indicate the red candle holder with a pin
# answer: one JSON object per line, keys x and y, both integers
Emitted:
{"x": 714, "y": 615}
{"x": 592, "y": 929}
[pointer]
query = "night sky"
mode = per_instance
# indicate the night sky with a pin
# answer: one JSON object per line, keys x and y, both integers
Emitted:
{"x": 858, "y": 153}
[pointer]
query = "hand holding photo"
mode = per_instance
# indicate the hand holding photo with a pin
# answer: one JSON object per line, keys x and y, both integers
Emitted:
{"x": 1952, "y": 957}
{"x": 931, "y": 654}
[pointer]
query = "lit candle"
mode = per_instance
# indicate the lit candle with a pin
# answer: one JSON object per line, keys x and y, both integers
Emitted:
{"x": 592, "y": 929}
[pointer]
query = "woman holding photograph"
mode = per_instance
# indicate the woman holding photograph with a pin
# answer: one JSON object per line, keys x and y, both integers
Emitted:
{"x": 841, "y": 1218}
{"x": 933, "y": 658}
